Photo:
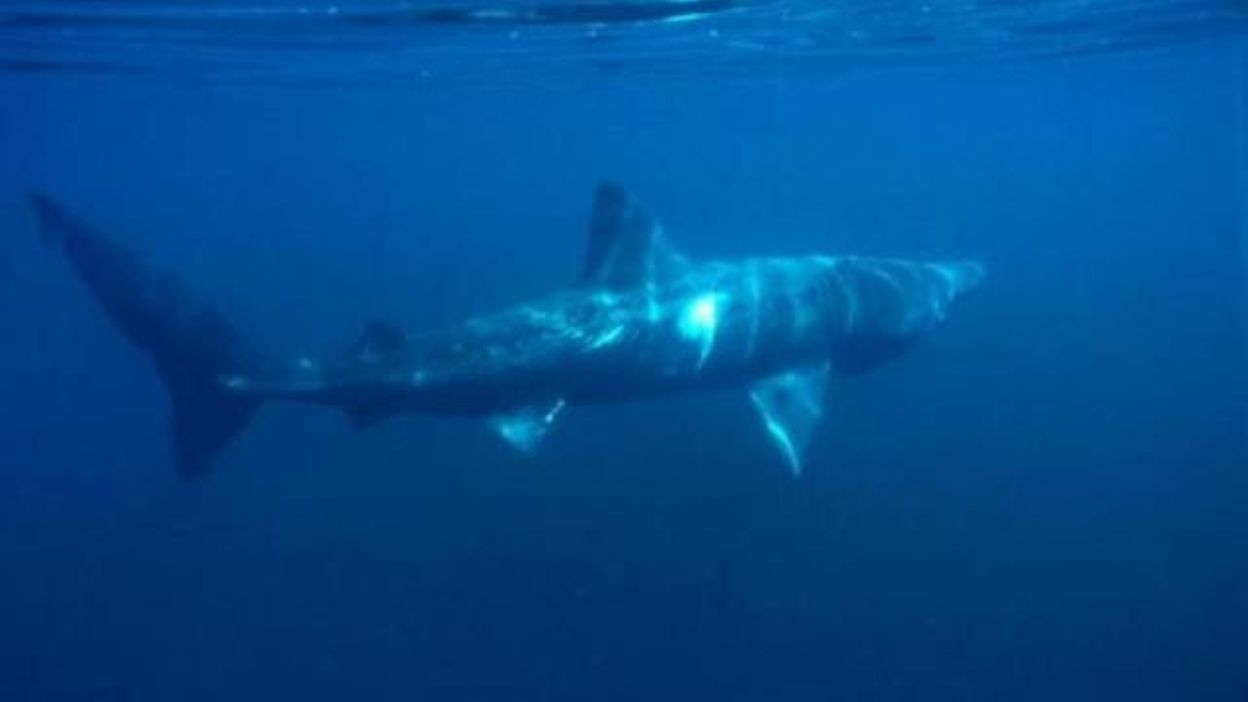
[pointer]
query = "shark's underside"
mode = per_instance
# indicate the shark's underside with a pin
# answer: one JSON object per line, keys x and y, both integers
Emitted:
{"x": 642, "y": 320}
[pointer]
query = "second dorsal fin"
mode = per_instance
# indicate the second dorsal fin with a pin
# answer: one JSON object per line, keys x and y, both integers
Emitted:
{"x": 626, "y": 247}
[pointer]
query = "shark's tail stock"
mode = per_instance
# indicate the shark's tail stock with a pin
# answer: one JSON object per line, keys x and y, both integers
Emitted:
{"x": 190, "y": 344}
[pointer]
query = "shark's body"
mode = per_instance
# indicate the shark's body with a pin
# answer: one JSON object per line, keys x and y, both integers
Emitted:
{"x": 643, "y": 320}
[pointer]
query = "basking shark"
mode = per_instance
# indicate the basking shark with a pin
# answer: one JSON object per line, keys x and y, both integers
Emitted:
{"x": 641, "y": 320}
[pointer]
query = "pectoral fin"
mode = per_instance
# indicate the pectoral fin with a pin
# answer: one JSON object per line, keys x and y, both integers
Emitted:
{"x": 525, "y": 428}
{"x": 790, "y": 406}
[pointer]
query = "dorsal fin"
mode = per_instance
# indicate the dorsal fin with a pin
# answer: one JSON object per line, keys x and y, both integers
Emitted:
{"x": 626, "y": 245}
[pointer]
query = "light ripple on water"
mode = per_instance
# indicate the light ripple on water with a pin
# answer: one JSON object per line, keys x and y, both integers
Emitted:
{"x": 507, "y": 40}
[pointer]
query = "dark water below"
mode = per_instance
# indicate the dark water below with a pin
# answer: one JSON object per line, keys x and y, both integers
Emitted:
{"x": 1045, "y": 500}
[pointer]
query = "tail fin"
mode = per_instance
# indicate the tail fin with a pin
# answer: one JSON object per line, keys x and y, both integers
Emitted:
{"x": 190, "y": 344}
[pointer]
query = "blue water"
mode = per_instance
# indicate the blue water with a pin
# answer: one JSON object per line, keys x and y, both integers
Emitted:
{"x": 1046, "y": 500}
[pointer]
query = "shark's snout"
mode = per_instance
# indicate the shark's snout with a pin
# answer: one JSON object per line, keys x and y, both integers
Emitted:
{"x": 966, "y": 275}
{"x": 975, "y": 274}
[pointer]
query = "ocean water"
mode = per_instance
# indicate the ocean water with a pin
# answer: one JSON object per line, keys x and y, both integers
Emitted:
{"x": 1047, "y": 499}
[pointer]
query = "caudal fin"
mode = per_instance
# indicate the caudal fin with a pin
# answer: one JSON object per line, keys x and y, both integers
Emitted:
{"x": 190, "y": 344}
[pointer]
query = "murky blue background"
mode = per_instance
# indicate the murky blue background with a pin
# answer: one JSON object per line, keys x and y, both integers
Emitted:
{"x": 1047, "y": 500}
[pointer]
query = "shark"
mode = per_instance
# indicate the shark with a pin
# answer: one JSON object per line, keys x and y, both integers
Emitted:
{"x": 641, "y": 320}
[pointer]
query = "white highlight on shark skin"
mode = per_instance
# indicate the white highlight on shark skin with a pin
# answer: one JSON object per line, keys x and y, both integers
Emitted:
{"x": 608, "y": 337}
{"x": 781, "y": 436}
{"x": 553, "y": 413}
{"x": 703, "y": 313}
{"x": 699, "y": 320}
